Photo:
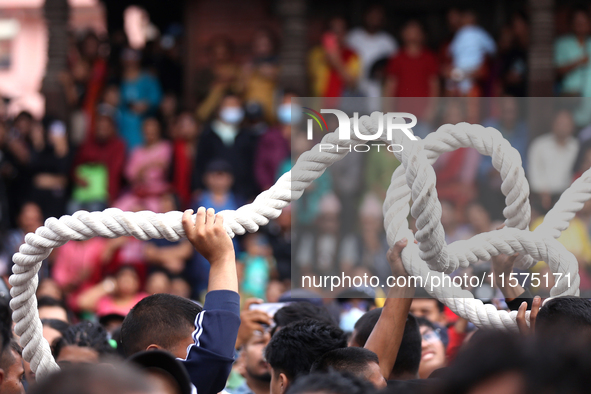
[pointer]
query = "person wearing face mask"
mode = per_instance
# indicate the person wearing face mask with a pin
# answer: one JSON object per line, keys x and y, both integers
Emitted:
{"x": 224, "y": 138}
{"x": 275, "y": 144}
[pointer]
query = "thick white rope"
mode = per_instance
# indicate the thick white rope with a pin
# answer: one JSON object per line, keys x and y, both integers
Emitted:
{"x": 417, "y": 157}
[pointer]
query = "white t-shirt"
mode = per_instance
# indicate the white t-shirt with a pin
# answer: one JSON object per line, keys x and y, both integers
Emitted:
{"x": 370, "y": 48}
{"x": 550, "y": 165}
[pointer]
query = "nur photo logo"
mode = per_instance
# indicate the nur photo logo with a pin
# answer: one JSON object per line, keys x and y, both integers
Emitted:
{"x": 388, "y": 123}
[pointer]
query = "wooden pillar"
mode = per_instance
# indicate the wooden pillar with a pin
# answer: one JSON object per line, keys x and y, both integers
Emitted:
{"x": 293, "y": 50}
{"x": 57, "y": 13}
{"x": 541, "y": 65}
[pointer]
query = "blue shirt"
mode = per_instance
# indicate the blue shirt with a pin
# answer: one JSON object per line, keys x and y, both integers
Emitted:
{"x": 209, "y": 359}
{"x": 144, "y": 88}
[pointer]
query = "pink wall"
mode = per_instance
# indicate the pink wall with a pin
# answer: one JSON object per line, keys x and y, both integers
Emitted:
{"x": 22, "y": 81}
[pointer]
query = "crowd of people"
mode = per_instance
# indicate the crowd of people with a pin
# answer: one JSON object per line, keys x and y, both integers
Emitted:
{"x": 129, "y": 143}
{"x": 173, "y": 345}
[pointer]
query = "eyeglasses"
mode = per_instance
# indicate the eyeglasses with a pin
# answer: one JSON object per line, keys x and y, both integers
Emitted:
{"x": 431, "y": 336}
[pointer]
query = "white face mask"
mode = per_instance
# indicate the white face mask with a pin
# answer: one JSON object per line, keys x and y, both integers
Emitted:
{"x": 286, "y": 115}
{"x": 349, "y": 318}
{"x": 232, "y": 115}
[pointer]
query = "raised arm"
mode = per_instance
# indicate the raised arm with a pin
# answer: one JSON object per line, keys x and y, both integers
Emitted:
{"x": 209, "y": 238}
{"x": 387, "y": 334}
{"x": 209, "y": 360}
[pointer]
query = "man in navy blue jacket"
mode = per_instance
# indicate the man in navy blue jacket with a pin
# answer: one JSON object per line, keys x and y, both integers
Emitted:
{"x": 203, "y": 339}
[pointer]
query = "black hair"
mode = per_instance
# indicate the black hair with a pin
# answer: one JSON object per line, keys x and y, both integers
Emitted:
{"x": 422, "y": 293}
{"x": 5, "y": 325}
{"x": 295, "y": 347}
{"x": 297, "y": 311}
{"x": 48, "y": 301}
{"x": 92, "y": 379}
{"x": 85, "y": 334}
{"x": 489, "y": 355}
{"x": 364, "y": 326}
{"x": 7, "y": 358}
{"x": 58, "y": 325}
{"x": 564, "y": 311}
{"x": 331, "y": 383}
{"x": 409, "y": 354}
{"x": 353, "y": 360}
{"x": 160, "y": 319}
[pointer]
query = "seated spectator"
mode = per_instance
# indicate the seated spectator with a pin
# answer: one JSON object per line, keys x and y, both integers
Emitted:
{"x": 50, "y": 308}
{"x": 279, "y": 233}
{"x": 140, "y": 97}
{"x": 453, "y": 226}
{"x": 413, "y": 72}
{"x": 334, "y": 68}
{"x": 18, "y": 150}
{"x": 147, "y": 171}
{"x": 257, "y": 261}
{"x": 28, "y": 220}
{"x": 479, "y": 219}
{"x": 11, "y": 364}
{"x": 372, "y": 43}
{"x": 456, "y": 171}
{"x": 50, "y": 167}
{"x": 84, "y": 342}
{"x": 185, "y": 135}
{"x": 203, "y": 339}
{"x": 571, "y": 56}
{"x": 331, "y": 383}
{"x": 158, "y": 282}
{"x": 259, "y": 75}
{"x": 78, "y": 266}
{"x": 433, "y": 348}
{"x": 98, "y": 167}
{"x": 469, "y": 50}
{"x": 551, "y": 159}
{"x": 513, "y": 128}
{"x": 180, "y": 287}
{"x": 224, "y": 138}
{"x": 218, "y": 181}
{"x": 49, "y": 287}
{"x": 116, "y": 295}
{"x": 168, "y": 255}
{"x": 360, "y": 362}
{"x": 292, "y": 350}
{"x": 274, "y": 145}
{"x": 220, "y": 76}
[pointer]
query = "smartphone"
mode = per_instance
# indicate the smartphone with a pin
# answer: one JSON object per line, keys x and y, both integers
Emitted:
{"x": 269, "y": 307}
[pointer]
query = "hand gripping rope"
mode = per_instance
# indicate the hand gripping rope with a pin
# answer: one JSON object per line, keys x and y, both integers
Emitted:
{"x": 415, "y": 179}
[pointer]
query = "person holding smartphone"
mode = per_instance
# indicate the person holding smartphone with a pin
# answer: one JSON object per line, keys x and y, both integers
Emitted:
{"x": 334, "y": 67}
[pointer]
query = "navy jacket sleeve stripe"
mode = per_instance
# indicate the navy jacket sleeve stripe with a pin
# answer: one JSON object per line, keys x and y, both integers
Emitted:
{"x": 209, "y": 360}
